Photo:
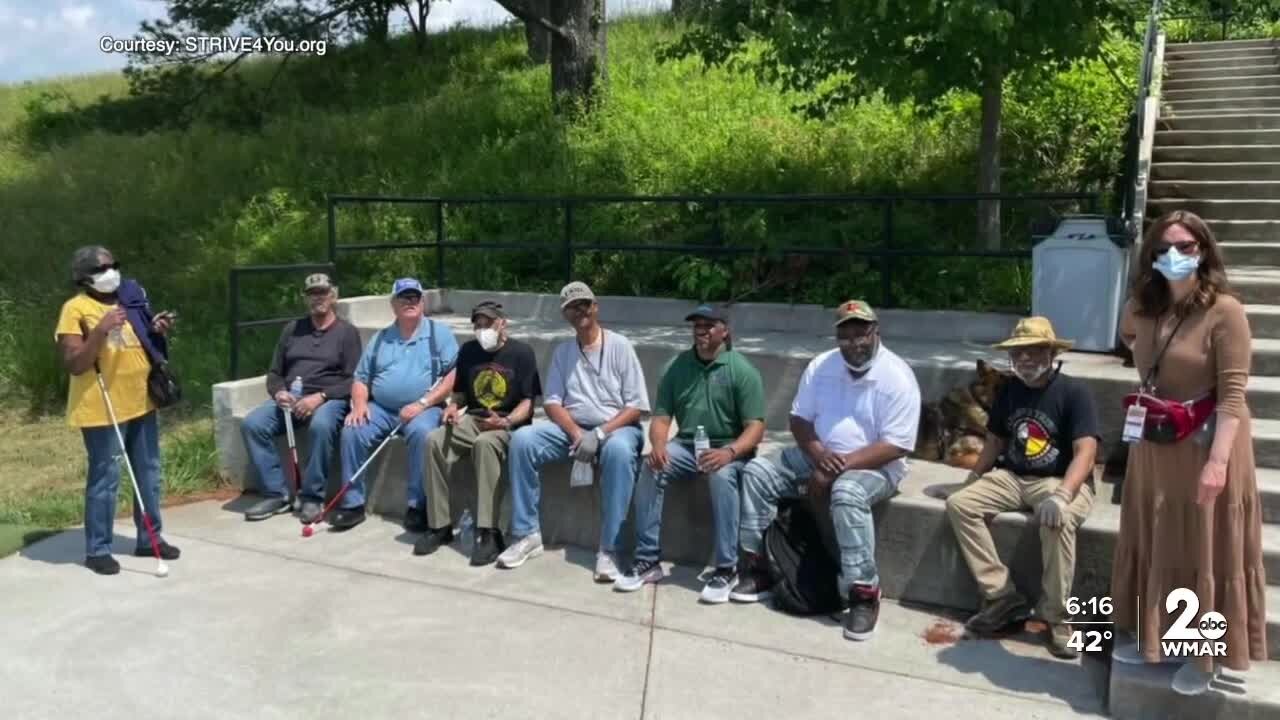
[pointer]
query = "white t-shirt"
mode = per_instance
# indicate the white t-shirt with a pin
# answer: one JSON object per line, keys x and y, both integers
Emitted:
{"x": 849, "y": 414}
{"x": 596, "y": 385}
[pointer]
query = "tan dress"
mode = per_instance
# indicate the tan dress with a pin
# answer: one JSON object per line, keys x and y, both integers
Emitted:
{"x": 1166, "y": 539}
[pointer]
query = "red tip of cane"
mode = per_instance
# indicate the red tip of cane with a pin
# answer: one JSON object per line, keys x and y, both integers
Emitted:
{"x": 307, "y": 530}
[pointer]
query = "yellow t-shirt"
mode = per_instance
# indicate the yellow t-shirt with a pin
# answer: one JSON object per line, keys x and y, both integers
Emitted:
{"x": 124, "y": 365}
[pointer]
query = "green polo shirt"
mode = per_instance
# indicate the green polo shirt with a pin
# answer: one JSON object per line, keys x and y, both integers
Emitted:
{"x": 722, "y": 396}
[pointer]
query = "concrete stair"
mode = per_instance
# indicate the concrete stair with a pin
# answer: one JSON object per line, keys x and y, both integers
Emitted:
{"x": 1217, "y": 153}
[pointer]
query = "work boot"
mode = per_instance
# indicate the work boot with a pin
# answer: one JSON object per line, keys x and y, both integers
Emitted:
{"x": 102, "y": 564}
{"x": 487, "y": 548}
{"x": 267, "y": 507}
{"x": 999, "y": 613}
{"x": 347, "y": 518}
{"x": 432, "y": 540}
{"x": 864, "y": 611}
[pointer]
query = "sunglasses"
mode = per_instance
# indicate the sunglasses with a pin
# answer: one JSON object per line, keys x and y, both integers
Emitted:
{"x": 409, "y": 298}
{"x": 103, "y": 268}
{"x": 1187, "y": 247}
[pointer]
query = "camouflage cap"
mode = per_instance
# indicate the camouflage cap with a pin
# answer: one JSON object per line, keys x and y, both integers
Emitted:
{"x": 855, "y": 310}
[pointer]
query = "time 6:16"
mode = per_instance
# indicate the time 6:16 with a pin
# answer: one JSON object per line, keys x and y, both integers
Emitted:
{"x": 1089, "y": 606}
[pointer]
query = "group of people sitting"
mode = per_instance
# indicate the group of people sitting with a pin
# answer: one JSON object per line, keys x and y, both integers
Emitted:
{"x": 854, "y": 420}
{"x": 1191, "y": 514}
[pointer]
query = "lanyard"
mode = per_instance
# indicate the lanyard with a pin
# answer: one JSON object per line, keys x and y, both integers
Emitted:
{"x": 1155, "y": 364}
{"x": 596, "y": 370}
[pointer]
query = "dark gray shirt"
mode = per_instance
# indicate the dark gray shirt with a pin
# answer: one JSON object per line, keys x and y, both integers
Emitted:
{"x": 325, "y": 359}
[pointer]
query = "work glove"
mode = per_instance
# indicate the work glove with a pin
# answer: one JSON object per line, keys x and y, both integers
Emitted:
{"x": 1049, "y": 511}
{"x": 588, "y": 445}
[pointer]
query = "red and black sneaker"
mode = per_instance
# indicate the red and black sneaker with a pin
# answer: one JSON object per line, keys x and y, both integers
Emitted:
{"x": 755, "y": 584}
{"x": 864, "y": 611}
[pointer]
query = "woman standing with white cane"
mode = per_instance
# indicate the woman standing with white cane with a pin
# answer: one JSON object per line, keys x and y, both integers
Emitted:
{"x": 121, "y": 337}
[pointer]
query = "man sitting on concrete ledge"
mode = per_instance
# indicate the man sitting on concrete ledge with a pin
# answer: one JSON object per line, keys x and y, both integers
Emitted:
{"x": 499, "y": 379}
{"x": 323, "y": 350}
{"x": 1042, "y": 440}
{"x": 595, "y": 396}
{"x": 396, "y": 384}
{"x": 714, "y": 388}
{"x": 854, "y": 419}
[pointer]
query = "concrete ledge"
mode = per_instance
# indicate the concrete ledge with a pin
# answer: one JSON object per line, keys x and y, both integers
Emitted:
{"x": 1143, "y": 692}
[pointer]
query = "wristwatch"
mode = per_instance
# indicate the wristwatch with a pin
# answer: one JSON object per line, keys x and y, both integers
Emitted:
{"x": 422, "y": 402}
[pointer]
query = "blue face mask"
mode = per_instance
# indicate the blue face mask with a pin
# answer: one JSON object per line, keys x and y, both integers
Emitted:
{"x": 1176, "y": 266}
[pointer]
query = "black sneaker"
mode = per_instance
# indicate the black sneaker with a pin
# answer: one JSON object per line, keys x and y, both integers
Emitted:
{"x": 864, "y": 611}
{"x": 310, "y": 512}
{"x": 755, "y": 584}
{"x": 999, "y": 613}
{"x": 267, "y": 507}
{"x": 102, "y": 564}
{"x": 347, "y": 518}
{"x": 432, "y": 540}
{"x": 488, "y": 547}
{"x": 415, "y": 519}
{"x": 167, "y": 551}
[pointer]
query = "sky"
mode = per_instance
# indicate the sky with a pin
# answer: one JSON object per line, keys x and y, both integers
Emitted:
{"x": 46, "y": 38}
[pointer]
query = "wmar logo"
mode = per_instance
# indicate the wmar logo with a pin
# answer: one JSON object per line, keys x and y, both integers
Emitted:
{"x": 1187, "y": 638}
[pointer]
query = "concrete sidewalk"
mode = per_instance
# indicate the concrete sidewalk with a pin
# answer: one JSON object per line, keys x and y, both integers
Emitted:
{"x": 256, "y": 622}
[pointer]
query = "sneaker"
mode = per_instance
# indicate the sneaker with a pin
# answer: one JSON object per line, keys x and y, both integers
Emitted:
{"x": 1129, "y": 654}
{"x": 1059, "y": 636}
{"x": 267, "y": 507}
{"x": 432, "y": 540}
{"x": 529, "y": 546}
{"x": 606, "y": 567}
{"x": 719, "y": 586}
{"x": 347, "y": 518}
{"x": 1000, "y": 613}
{"x": 310, "y": 512}
{"x": 415, "y": 519}
{"x": 755, "y": 584}
{"x": 642, "y": 571}
{"x": 864, "y": 611}
{"x": 167, "y": 551}
{"x": 487, "y": 547}
{"x": 102, "y": 564}
{"x": 1191, "y": 680}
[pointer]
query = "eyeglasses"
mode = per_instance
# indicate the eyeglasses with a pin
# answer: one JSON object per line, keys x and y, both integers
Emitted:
{"x": 105, "y": 267}
{"x": 1187, "y": 247}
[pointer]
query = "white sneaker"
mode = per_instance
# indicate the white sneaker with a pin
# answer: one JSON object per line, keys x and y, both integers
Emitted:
{"x": 719, "y": 586}
{"x": 529, "y": 546}
{"x": 642, "y": 571}
{"x": 606, "y": 567}
{"x": 1191, "y": 680}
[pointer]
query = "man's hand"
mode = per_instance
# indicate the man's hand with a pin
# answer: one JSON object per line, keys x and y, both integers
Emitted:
{"x": 164, "y": 322}
{"x": 306, "y": 406}
{"x": 495, "y": 422}
{"x": 658, "y": 457}
{"x": 830, "y": 463}
{"x": 410, "y": 411}
{"x": 712, "y": 460}
{"x": 114, "y": 318}
{"x": 452, "y": 414}
{"x": 359, "y": 415}
{"x": 284, "y": 400}
{"x": 820, "y": 485}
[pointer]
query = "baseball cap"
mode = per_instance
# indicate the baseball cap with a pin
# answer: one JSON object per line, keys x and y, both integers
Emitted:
{"x": 575, "y": 291}
{"x": 489, "y": 309}
{"x": 855, "y": 310}
{"x": 709, "y": 312}
{"x": 404, "y": 285}
{"x": 317, "y": 281}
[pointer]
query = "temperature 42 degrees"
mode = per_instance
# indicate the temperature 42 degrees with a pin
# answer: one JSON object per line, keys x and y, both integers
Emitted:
{"x": 1088, "y": 640}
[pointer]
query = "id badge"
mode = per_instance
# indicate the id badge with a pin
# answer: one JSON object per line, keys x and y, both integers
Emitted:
{"x": 1134, "y": 422}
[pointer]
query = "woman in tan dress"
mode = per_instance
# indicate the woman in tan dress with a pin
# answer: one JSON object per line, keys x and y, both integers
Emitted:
{"x": 1191, "y": 516}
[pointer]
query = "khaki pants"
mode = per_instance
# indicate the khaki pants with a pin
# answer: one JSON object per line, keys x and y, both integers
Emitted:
{"x": 1002, "y": 491}
{"x": 488, "y": 452}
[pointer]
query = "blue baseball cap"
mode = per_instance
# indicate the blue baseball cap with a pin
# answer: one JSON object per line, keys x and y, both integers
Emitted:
{"x": 709, "y": 312}
{"x": 404, "y": 285}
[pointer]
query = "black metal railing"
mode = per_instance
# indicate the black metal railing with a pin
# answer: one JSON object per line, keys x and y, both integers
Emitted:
{"x": 235, "y": 324}
{"x": 887, "y": 249}
{"x": 1222, "y": 19}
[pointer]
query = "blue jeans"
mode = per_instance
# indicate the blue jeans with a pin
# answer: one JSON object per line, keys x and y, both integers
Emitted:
{"x": 542, "y": 442}
{"x": 358, "y": 441}
{"x": 142, "y": 441}
{"x": 724, "y": 503}
{"x": 853, "y": 494}
{"x": 266, "y": 423}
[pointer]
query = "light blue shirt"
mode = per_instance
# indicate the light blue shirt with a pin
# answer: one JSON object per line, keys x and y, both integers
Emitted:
{"x": 403, "y": 371}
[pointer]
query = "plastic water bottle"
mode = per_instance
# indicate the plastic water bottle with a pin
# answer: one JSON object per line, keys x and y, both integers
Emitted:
{"x": 701, "y": 443}
{"x": 296, "y": 388}
{"x": 465, "y": 528}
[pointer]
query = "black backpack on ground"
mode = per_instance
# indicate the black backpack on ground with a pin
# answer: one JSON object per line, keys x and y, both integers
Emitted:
{"x": 804, "y": 574}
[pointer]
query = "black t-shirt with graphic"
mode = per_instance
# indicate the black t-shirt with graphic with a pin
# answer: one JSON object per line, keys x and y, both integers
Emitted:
{"x": 497, "y": 381}
{"x": 1039, "y": 425}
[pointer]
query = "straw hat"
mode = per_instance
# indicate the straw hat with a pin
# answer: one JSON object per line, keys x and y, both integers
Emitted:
{"x": 1031, "y": 332}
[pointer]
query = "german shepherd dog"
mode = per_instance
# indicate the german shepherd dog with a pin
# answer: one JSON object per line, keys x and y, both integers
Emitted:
{"x": 953, "y": 429}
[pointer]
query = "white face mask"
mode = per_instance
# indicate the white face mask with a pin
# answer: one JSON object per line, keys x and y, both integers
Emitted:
{"x": 488, "y": 338}
{"x": 107, "y": 281}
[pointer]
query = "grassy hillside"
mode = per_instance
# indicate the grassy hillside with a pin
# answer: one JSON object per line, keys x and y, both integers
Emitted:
{"x": 247, "y": 185}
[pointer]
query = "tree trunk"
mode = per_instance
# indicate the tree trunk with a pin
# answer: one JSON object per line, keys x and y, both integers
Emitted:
{"x": 420, "y": 28}
{"x": 578, "y": 57}
{"x": 537, "y": 37}
{"x": 989, "y": 158}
